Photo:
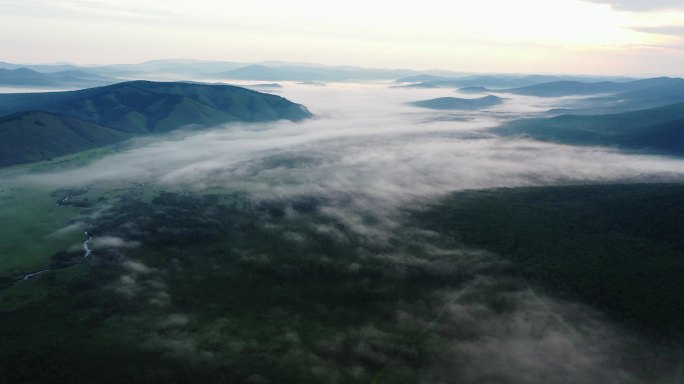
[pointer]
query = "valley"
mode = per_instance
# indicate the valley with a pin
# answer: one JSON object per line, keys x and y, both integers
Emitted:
{"x": 306, "y": 192}
{"x": 376, "y": 242}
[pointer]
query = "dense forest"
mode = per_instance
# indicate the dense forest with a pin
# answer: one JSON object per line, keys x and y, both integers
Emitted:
{"x": 219, "y": 288}
{"x": 618, "y": 247}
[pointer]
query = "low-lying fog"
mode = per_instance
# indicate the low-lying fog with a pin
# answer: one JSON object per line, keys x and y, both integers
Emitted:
{"x": 369, "y": 152}
{"x": 367, "y": 143}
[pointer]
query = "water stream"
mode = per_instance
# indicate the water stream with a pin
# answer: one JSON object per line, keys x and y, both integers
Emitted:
{"x": 87, "y": 252}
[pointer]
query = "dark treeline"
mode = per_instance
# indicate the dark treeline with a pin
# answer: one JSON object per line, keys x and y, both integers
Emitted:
{"x": 618, "y": 247}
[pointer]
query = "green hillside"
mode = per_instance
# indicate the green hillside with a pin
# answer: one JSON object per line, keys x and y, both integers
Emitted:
{"x": 79, "y": 120}
{"x": 659, "y": 129}
{"x": 36, "y": 136}
{"x": 145, "y": 106}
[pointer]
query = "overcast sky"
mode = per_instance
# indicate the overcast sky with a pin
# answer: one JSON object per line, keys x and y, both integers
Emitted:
{"x": 598, "y": 36}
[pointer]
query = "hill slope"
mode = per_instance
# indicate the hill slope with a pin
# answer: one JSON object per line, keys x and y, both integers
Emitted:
{"x": 79, "y": 120}
{"x": 659, "y": 129}
{"x": 36, "y": 136}
{"x": 145, "y": 106}
{"x": 455, "y": 103}
{"x": 569, "y": 88}
{"x": 25, "y": 77}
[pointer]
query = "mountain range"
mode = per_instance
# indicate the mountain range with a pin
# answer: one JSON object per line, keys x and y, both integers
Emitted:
{"x": 659, "y": 130}
{"x": 39, "y": 126}
{"x": 602, "y": 97}
{"x": 181, "y": 69}
{"x": 572, "y": 88}
{"x": 25, "y": 77}
{"x": 308, "y": 73}
{"x": 498, "y": 82}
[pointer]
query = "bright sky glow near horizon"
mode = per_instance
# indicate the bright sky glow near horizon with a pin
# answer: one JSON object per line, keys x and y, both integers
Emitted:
{"x": 639, "y": 37}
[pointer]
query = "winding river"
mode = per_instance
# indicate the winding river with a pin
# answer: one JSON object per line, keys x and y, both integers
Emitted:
{"x": 31, "y": 275}
{"x": 87, "y": 252}
{"x": 86, "y": 248}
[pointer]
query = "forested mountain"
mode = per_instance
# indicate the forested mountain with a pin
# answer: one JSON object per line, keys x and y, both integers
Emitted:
{"x": 38, "y": 126}
{"x": 658, "y": 129}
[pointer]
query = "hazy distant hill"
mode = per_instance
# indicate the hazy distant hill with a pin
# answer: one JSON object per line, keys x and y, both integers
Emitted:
{"x": 78, "y": 120}
{"x": 310, "y": 73}
{"x": 262, "y": 71}
{"x": 44, "y": 68}
{"x": 666, "y": 93}
{"x": 422, "y": 78}
{"x": 474, "y": 90}
{"x": 660, "y": 129}
{"x": 264, "y": 86}
{"x": 179, "y": 67}
{"x": 468, "y": 81}
{"x": 569, "y": 88}
{"x": 25, "y": 77}
{"x": 455, "y": 103}
{"x": 610, "y": 97}
{"x": 502, "y": 81}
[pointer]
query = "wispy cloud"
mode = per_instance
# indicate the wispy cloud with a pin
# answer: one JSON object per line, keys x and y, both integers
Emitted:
{"x": 92, "y": 8}
{"x": 671, "y": 30}
{"x": 369, "y": 145}
{"x": 641, "y": 5}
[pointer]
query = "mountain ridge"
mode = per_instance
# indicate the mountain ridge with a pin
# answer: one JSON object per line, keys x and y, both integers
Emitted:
{"x": 658, "y": 130}
{"x": 27, "y": 77}
{"x": 114, "y": 113}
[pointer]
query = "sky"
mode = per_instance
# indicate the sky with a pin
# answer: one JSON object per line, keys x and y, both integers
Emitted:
{"x": 635, "y": 37}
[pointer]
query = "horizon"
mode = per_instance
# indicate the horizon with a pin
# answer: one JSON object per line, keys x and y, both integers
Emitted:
{"x": 616, "y": 36}
{"x": 279, "y": 63}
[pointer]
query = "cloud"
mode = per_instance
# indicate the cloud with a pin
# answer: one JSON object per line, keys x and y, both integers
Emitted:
{"x": 113, "y": 242}
{"x": 368, "y": 149}
{"x": 78, "y": 226}
{"x": 94, "y": 8}
{"x": 673, "y": 30}
{"x": 540, "y": 340}
{"x": 139, "y": 280}
{"x": 136, "y": 267}
{"x": 127, "y": 286}
{"x": 491, "y": 332}
{"x": 641, "y": 5}
{"x": 175, "y": 320}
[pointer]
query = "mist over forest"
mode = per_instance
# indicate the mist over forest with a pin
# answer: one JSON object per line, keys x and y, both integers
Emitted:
{"x": 377, "y": 240}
